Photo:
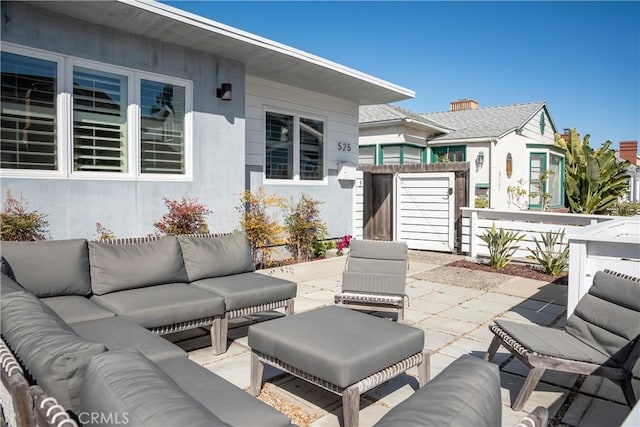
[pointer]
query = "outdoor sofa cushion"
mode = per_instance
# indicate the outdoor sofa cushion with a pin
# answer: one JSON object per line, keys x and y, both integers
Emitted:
{"x": 216, "y": 256}
{"x": 50, "y": 268}
{"x": 466, "y": 393}
{"x": 127, "y": 385}
{"x": 248, "y": 289}
{"x": 162, "y": 305}
{"x": 73, "y": 308}
{"x": 121, "y": 267}
{"x": 364, "y": 346}
{"x": 119, "y": 334}
{"x": 607, "y": 316}
{"x": 552, "y": 342}
{"x": 9, "y": 286}
{"x": 230, "y": 403}
{"x": 5, "y": 268}
{"x": 54, "y": 355}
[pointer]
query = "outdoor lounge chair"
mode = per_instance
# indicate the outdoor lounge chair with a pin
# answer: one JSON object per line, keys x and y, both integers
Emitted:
{"x": 375, "y": 276}
{"x": 602, "y": 337}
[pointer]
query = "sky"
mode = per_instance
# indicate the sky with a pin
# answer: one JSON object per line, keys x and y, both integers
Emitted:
{"x": 581, "y": 58}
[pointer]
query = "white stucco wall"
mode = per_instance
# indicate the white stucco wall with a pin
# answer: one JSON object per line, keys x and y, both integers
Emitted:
{"x": 341, "y": 122}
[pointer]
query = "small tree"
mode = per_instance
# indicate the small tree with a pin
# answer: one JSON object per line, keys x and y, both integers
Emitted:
{"x": 539, "y": 187}
{"x": 261, "y": 227}
{"x": 184, "y": 217}
{"x": 104, "y": 233}
{"x": 18, "y": 223}
{"x": 304, "y": 227}
{"x": 517, "y": 195}
{"x": 502, "y": 245}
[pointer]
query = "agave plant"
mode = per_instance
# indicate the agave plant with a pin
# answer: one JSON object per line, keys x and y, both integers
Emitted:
{"x": 594, "y": 180}
{"x": 550, "y": 253}
{"x": 502, "y": 245}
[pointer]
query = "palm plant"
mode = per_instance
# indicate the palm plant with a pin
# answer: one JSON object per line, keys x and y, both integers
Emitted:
{"x": 594, "y": 180}
{"x": 550, "y": 252}
{"x": 502, "y": 244}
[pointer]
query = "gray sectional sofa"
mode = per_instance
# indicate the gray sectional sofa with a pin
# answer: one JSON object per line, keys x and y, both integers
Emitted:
{"x": 80, "y": 318}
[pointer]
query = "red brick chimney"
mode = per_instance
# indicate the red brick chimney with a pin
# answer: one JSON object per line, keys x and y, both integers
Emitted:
{"x": 566, "y": 134}
{"x": 463, "y": 104}
{"x": 629, "y": 151}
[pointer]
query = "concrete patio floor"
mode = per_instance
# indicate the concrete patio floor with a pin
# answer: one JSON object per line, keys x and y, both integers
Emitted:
{"x": 455, "y": 320}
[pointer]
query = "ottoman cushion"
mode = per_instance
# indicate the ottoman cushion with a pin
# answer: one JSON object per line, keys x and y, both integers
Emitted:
{"x": 336, "y": 344}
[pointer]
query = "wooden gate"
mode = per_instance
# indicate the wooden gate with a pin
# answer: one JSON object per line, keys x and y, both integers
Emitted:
{"x": 375, "y": 203}
{"x": 378, "y": 206}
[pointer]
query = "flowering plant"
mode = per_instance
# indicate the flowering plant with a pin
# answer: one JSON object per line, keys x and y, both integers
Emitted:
{"x": 184, "y": 217}
{"x": 343, "y": 242}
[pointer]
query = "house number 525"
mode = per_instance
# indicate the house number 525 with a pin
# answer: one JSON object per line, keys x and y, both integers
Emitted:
{"x": 344, "y": 146}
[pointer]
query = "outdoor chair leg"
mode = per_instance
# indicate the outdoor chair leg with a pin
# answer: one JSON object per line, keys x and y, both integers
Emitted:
{"x": 627, "y": 390}
{"x": 527, "y": 388}
{"x": 493, "y": 348}
{"x": 400, "y": 318}
{"x": 219, "y": 330}
{"x": 288, "y": 307}
{"x": 257, "y": 369}
{"x": 351, "y": 406}
{"x": 424, "y": 368}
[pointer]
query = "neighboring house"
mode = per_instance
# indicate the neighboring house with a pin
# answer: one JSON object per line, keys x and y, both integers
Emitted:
{"x": 507, "y": 146}
{"x": 109, "y": 107}
{"x": 629, "y": 152}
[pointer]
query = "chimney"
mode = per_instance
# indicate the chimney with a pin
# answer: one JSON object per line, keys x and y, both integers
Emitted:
{"x": 629, "y": 151}
{"x": 464, "y": 104}
{"x": 566, "y": 134}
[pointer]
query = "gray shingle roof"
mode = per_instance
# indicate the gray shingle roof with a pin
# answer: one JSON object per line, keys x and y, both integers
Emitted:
{"x": 487, "y": 122}
{"x": 388, "y": 113}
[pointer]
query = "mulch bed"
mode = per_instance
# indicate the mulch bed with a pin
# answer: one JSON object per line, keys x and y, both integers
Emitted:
{"x": 527, "y": 271}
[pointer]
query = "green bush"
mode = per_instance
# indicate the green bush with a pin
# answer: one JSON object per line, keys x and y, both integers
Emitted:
{"x": 184, "y": 217}
{"x": 481, "y": 202}
{"x": 18, "y": 223}
{"x": 625, "y": 209}
{"x": 502, "y": 245}
{"x": 259, "y": 224}
{"x": 304, "y": 227}
{"x": 550, "y": 253}
{"x": 320, "y": 248}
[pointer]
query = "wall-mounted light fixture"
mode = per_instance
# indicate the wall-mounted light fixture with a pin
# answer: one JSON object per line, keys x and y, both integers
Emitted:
{"x": 224, "y": 92}
{"x": 480, "y": 160}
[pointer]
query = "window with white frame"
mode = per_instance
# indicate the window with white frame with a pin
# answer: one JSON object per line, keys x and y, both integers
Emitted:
{"x": 28, "y": 113}
{"x": 294, "y": 147}
{"x": 122, "y": 123}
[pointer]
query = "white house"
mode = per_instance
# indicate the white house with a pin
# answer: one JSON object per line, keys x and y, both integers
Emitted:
{"x": 109, "y": 107}
{"x": 507, "y": 146}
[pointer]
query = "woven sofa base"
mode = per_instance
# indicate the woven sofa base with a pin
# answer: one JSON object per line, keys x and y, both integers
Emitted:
{"x": 392, "y": 303}
{"x": 351, "y": 394}
{"x": 220, "y": 326}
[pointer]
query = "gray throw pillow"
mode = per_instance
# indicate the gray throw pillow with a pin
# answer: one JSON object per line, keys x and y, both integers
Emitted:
{"x": 53, "y": 354}
{"x": 50, "y": 268}
{"x": 207, "y": 257}
{"x": 120, "y": 267}
{"x": 5, "y": 268}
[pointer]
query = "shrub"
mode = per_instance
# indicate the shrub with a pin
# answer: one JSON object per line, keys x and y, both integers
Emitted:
{"x": 550, "y": 253}
{"x": 304, "y": 227}
{"x": 481, "y": 202}
{"x": 184, "y": 217}
{"x": 320, "y": 248}
{"x": 625, "y": 209}
{"x": 502, "y": 245}
{"x": 18, "y": 223}
{"x": 104, "y": 233}
{"x": 343, "y": 243}
{"x": 262, "y": 229}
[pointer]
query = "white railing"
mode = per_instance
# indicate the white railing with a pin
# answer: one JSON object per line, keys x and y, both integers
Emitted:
{"x": 530, "y": 223}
